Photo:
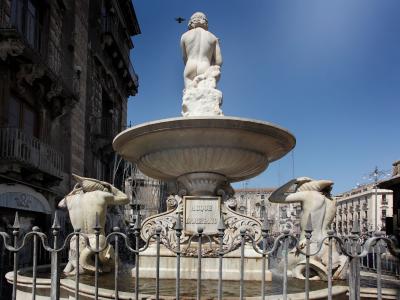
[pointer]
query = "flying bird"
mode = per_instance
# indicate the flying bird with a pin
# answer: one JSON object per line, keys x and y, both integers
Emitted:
{"x": 180, "y": 19}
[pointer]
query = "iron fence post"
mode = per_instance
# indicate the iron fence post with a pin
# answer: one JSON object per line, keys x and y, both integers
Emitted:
{"x": 378, "y": 267}
{"x": 242, "y": 242}
{"x": 35, "y": 229}
{"x": 15, "y": 233}
{"x": 77, "y": 237}
{"x": 354, "y": 275}
{"x": 55, "y": 265}
{"x": 285, "y": 263}
{"x": 308, "y": 236}
{"x": 178, "y": 232}
{"x": 116, "y": 264}
{"x": 199, "y": 250}
{"x": 158, "y": 232}
{"x": 330, "y": 234}
{"x": 137, "y": 237}
{"x": 221, "y": 233}
{"x": 264, "y": 233}
{"x": 96, "y": 229}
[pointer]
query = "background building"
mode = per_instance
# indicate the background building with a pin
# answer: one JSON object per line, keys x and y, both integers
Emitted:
{"x": 251, "y": 202}
{"x": 147, "y": 195}
{"x": 393, "y": 184}
{"x": 65, "y": 78}
{"x": 359, "y": 203}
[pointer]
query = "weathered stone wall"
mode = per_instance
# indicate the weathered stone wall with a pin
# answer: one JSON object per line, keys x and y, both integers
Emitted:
{"x": 78, "y": 116}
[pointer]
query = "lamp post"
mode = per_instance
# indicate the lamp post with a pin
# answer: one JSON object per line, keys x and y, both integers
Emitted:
{"x": 375, "y": 174}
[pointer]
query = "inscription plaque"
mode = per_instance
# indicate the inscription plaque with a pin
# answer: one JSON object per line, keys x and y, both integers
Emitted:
{"x": 201, "y": 212}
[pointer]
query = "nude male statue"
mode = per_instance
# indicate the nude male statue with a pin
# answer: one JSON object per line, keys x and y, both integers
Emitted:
{"x": 316, "y": 201}
{"x": 314, "y": 195}
{"x": 88, "y": 198}
{"x": 200, "y": 48}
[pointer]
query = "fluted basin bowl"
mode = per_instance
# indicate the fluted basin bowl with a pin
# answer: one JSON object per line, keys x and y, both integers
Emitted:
{"x": 236, "y": 148}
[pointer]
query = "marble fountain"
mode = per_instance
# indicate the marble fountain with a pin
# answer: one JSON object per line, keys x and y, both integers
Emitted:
{"x": 202, "y": 153}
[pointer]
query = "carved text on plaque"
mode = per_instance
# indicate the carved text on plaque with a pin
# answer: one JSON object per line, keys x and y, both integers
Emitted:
{"x": 201, "y": 212}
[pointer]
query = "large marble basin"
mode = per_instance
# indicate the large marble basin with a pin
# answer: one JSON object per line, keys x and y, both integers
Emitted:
{"x": 236, "y": 148}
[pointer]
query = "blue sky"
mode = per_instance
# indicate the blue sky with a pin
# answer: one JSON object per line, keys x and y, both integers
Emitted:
{"x": 328, "y": 71}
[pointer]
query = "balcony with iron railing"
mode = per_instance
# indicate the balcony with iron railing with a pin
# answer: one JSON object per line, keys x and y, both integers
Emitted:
{"x": 112, "y": 26}
{"x": 18, "y": 147}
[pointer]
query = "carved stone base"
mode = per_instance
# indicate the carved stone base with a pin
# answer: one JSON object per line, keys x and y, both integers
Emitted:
{"x": 209, "y": 266}
{"x": 233, "y": 223}
{"x": 201, "y": 97}
{"x": 201, "y": 102}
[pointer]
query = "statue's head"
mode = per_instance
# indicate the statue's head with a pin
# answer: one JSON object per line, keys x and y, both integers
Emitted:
{"x": 198, "y": 19}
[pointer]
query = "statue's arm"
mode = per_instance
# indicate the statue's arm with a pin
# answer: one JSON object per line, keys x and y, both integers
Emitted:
{"x": 281, "y": 195}
{"x": 278, "y": 196}
{"x": 217, "y": 54}
{"x": 184, "y": 54}
{"x": 119, "y": 198}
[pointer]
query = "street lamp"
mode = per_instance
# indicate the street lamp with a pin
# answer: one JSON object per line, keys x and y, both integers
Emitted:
{"x": 375, "y": 175}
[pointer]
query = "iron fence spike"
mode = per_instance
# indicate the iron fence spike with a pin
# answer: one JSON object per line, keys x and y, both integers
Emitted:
{"x": 56, "y": 221}
{"x": 16, "y": 224}
{"x": 221, "y": 224}
{"x": 356, "y": 226}
{"x": 309, "y": 227}
{"x": 178, "y": 225}
{"x": 97, "y": 222}
{"x": 137, "y": 222}
{"x": 265, "y": 223}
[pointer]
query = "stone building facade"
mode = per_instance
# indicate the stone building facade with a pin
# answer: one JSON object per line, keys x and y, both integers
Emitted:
{"x": 393, "y": 183}
{"x": 252, "y": 201}
{"x": 367, "y": 204}
{"x": 65, "y": 78}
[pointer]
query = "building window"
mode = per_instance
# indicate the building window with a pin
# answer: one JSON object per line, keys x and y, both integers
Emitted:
{"x": 23, "y": 116}
{"x": 28, "y": 17}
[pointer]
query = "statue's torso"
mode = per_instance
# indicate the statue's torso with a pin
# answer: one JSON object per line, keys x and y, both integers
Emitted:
{"x": 83, "y": 207}
{"x": 199, "y": 43}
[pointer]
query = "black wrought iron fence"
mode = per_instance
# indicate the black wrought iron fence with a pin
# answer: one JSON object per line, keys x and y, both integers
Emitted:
{"x": 353, "y": 247}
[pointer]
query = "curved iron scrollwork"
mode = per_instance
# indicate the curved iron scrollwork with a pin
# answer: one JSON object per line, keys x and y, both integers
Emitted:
{"x": 168, "y": 231}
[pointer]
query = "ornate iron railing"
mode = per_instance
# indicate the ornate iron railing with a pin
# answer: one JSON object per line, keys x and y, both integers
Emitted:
{"x": 111, "y": 25}
{"x": 354, "y": 247}
{"x": 15, "y": 145}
